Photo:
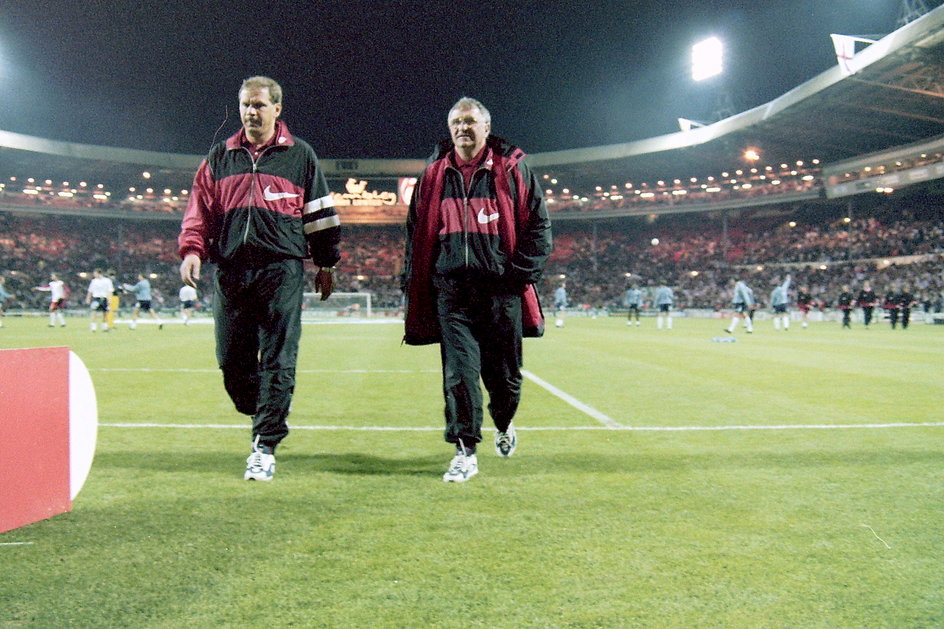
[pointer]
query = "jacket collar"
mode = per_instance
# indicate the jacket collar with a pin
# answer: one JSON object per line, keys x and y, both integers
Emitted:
{"x": 282, "y": 137}
{"x": 500, "y": 148}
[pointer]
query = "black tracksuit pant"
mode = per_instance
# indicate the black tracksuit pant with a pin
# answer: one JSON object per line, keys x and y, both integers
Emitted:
{"x": 258, "y": 326}
{"x": 481, "y": 336}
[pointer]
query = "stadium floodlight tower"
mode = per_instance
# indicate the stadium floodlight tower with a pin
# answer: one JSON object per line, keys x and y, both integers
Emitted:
{"x": 707, "y": 63}
{"x": 910, "y": 11}
{"x": 707, "y": 59}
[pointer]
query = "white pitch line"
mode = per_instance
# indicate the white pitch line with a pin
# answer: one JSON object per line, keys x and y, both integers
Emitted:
{"x": 604, "y": 419}
{"x": 547, "y": 428}
{"x": 16, "y": 544}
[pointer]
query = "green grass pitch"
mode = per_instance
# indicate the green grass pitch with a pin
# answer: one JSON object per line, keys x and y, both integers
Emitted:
{"x": 789, "y": 479}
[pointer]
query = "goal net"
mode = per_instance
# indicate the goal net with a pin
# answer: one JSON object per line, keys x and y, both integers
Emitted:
{"x": 337, "y": 305}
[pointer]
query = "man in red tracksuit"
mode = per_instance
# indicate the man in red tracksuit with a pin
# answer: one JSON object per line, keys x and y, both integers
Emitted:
{"x": 259, "y": 206}
{"x": 478, "y": 237}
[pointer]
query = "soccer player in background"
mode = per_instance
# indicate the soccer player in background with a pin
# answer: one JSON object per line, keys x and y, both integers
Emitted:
{"x": 633, "y": 302}
{"x": 188, "y": 299}
{"x": 905, "y": 302}
{"x": 779, "y": 298}
{"x": 99, "y": 290}
{"x": 890, "y": 305}
{"x": 259, "y": 206}
{"x": 867, "y": 300}
{"x": 804, "y": 303}
{"x": 142, "y": 296}
{"x": 470, "y": 283}
{"x": 752, "y": 308}
{"x": 742, "y": 300}
{"x": 560, "y": 303}
{"x": 4, "y": 296}
{"x": 57, "y": 300}
{"x": 845, "y": 302}
{"x": 114, "y": 301}
{"x": 663, "y": 301}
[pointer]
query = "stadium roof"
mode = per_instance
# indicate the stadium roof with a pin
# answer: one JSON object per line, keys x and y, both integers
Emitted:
{"x": 894, "y": 98}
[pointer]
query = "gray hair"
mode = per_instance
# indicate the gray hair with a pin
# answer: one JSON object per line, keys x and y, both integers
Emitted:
{"x": 260, "y": 82}
{"x": 470, "y": 103}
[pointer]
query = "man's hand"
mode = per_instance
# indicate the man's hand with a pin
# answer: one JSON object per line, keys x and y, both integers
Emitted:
{"x": 324, "y": 282}
{"x": 190, "y": 269}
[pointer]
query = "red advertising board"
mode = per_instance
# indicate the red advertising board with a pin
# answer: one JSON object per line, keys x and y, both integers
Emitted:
{"x": 34, "y": 431}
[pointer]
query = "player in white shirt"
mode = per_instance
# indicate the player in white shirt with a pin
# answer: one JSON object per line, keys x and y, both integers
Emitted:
{"x": 188, "y": 297}
{"x": 57, "y": 300}
{"x": 99, "y": 290}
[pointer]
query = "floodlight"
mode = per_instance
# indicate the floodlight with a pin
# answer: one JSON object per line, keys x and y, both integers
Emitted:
{"x": 707, "y": 59}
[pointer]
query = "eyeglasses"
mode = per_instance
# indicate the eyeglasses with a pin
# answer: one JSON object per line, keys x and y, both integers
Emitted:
{"x": 457, "y": 123}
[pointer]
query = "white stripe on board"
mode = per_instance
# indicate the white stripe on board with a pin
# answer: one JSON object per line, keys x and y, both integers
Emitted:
{"x": 606, "y": 420}
{"x": 547, "y": 428}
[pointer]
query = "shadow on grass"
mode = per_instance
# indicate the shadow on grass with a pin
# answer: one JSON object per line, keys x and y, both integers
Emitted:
{"x": 197, "y": 462}
{"x": 360, "y": 464}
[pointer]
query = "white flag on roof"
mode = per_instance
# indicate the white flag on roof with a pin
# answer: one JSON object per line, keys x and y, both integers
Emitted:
{"x": 845, "y": 51}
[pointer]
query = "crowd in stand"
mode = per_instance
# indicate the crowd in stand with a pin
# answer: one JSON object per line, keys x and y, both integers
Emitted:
{"x": 699, "y": 261}
{"x": 695, "y": 254}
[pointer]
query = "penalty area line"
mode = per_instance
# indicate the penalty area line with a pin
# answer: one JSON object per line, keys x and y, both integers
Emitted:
{"x": 604, "y": 419}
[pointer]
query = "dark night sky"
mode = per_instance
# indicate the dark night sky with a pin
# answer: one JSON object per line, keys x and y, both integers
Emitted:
{"x": 375, "y": 79}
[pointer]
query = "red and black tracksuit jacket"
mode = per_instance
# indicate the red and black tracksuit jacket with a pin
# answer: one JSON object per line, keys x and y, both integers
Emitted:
{"x": 496, "y": 232}
{"x": 250, "y": 212}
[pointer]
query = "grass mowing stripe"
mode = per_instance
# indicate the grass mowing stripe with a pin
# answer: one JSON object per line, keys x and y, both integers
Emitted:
{"x": 606, "y": 420}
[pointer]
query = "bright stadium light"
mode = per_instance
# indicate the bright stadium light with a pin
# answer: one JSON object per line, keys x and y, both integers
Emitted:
{"x": 707, "y": 56}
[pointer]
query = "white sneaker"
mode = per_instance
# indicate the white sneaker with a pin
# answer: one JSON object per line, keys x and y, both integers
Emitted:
{"x": 506, "y": 442}
{"x": 261, "y": 463}
{"x": 462, "y": 468}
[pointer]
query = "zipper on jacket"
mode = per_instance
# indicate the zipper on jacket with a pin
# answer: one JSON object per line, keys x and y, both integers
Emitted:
{"x": 252, "y": 189}
{"x": 466, "y": 209}
{"x": 465, "y": 214}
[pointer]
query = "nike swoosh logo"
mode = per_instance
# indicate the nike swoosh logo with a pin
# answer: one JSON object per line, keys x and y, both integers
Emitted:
{"x": 487, "y": 218}
{"x": 268, "y": 195}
